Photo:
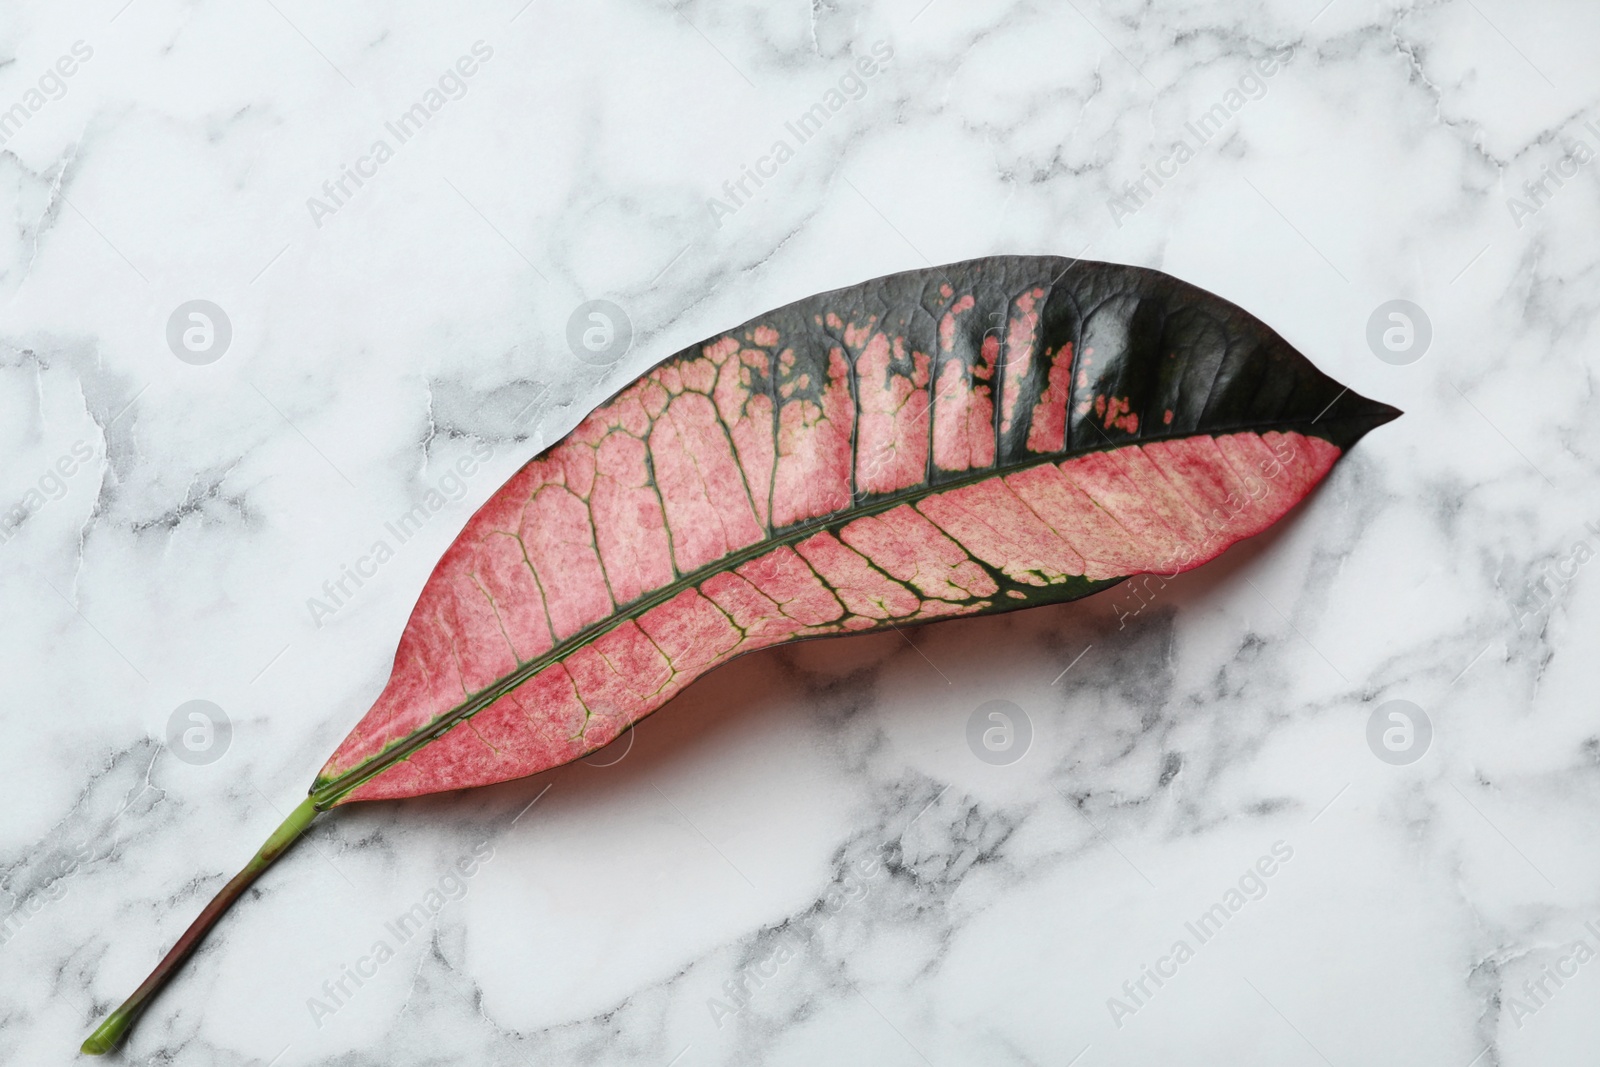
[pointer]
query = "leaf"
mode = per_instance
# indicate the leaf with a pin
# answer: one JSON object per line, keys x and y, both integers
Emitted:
{"x": 964, "y": 440}
{"x": 971, "y": 439}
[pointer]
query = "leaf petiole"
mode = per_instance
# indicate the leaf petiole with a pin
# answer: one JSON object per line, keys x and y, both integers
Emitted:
{"x": 111, "y": 1032}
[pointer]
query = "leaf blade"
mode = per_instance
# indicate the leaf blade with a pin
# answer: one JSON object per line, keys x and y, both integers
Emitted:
{"x": 799, "y": 455}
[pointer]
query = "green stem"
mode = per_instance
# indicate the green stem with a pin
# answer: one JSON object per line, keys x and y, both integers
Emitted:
{"x": 115, "y": 1027}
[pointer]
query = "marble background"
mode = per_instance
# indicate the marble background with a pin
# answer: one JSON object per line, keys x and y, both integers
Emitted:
{"x": 812, "y": 814}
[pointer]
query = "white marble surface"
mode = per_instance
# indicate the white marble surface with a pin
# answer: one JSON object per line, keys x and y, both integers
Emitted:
{"x": 814, "y": 811}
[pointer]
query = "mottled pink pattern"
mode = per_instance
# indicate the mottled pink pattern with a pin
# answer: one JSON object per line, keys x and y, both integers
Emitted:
{"x": 913, "y": 550}
{"x": 963, "y": 403}
{"x": 1021, "y": 333}
{"x": 748, "y": 416}
{"x": 813, "y": 462}
{"x": 892, "y": 430}
{"x": 643, "y": 533}
{"x": 1047, "y": 431}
